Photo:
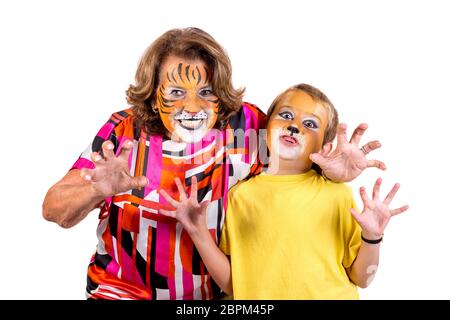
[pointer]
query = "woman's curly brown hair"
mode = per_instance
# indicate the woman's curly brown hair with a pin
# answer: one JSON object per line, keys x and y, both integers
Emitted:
{"x": 188, "y": 43}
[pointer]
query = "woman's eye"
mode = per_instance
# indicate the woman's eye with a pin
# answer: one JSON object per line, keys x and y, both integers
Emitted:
{"x": 176, "y": 93}
{"x": 286, "y": 115}
{"x": 206, "y": 92}
{"x": 310, "y": 124}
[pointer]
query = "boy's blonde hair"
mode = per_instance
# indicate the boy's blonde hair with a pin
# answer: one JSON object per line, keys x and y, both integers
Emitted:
{"x": 320, "y": 97}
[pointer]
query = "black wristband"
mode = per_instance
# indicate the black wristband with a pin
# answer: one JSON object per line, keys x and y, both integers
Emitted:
{"x": 371, "y": 241}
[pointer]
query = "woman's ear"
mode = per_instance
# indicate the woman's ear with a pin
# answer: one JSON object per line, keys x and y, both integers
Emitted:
{"x": 326, "y": 149}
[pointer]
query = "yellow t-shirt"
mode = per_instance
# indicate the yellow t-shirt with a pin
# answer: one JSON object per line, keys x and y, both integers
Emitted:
{"x": 291, "y": 237}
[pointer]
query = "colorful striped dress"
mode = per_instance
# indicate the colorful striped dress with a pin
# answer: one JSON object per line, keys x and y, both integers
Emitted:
{"x": 142, "y": 254}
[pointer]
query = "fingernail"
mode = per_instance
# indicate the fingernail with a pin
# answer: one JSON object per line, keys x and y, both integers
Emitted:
{"x": 87, "y": 177}
{"x": 97, "y": 158}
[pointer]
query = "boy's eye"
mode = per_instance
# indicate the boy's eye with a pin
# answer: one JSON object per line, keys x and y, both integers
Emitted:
{"x": 286, "y": 115}
{"x": 310, "y": 124}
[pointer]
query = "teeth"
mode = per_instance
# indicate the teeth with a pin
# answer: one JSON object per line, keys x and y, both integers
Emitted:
{"x": 191, "y": 124}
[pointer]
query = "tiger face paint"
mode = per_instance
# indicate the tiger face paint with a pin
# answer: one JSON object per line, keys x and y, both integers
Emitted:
{"x": 186, "y": 103}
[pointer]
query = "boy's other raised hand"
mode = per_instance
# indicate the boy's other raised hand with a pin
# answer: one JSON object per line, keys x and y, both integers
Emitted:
{"x": 348, "y": 160}
{"x": 376, "y": 213}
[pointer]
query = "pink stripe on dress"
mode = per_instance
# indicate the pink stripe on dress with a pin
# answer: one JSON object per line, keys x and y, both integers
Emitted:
{"x": 154, "y": 165}
{"x": 112, "y": 267}
{"x": 251, "y": 122}
{"x": 188, "y": 286}
{"x": 129, "y": 271}
{"x": 105, "y": 131}
{"x": 162, "y": 249}
{"x": 83, "y": 163}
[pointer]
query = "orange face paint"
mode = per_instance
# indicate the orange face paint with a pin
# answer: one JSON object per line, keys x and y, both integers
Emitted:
{"x": 296, "y": 127}
{"x": 185, "y": 100}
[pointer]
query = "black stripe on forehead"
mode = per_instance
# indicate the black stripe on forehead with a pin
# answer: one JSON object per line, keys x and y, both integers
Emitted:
{"x": 173, "y": 77}
{"x": 179, "y": 71}
{"x": 187, "y": 71}
{"x": 207, "y": 73}
{"x": 199, "y": 75}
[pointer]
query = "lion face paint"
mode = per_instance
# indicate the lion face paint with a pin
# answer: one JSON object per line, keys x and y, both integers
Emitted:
{"x": 186, "y": 103}
{"x": 296, "y": 128}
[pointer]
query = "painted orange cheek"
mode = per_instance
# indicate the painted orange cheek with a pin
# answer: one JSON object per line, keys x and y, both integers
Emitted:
{"x": 167, "y": 121}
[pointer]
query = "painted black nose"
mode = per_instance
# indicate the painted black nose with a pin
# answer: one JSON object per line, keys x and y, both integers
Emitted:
{"x": 293, "y": 130}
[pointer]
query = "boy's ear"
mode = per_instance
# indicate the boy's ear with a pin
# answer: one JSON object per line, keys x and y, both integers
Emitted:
{"x": 326, "y": 149}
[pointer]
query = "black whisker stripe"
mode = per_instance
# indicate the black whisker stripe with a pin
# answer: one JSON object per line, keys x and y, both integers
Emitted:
{"x": 164, "y": 103}
{"x": 179, "y": 71}
{"x": 214, "y": 101}
{"x": 199, "y": 75}
{"x": 187, "y": 71}
{"x": 163, "y": 109}
{"x": 167, "y": 100}
{"x": 167, "y": 75}
{"x": 173, "y": 76}
{"x": 165, "y": 106}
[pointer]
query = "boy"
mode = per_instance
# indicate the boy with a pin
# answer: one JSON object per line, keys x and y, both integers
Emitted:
{"x": 289, "y": 232}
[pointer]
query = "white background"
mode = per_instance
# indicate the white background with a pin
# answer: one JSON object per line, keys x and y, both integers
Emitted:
{"x": 65, "y": 66}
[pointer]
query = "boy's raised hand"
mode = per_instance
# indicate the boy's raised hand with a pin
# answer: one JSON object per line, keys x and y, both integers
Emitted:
{"x": 190, "y": 213}
{"x": 348, "y": 160}
{"x": 376, "y": 213}
{"x": 111, "y": 174}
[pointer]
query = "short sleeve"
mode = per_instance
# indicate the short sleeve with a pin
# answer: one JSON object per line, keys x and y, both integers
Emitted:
{"x": 352, "y": 235}
{"x": 227, "y": 229}
{"x": 225, "y": 240}
{"x": 112, "y": 130}
{"x": 249, "y": 121}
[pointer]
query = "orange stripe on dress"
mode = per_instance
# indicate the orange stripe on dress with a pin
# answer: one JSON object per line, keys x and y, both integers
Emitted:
{"x": 181, "y": 164}
{"x": 217, "y": 184}
{"x": 132, "y": 290}
{"x": 145, "y": 203}
{"x": 140, "y": 158}
{"x": 117, "y": 115}
{"x": 186, "y": 248}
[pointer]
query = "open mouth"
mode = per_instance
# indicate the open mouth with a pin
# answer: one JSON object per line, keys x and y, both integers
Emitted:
{"x": 289, "y": 141}
{"x": 191, "y": 124}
